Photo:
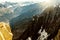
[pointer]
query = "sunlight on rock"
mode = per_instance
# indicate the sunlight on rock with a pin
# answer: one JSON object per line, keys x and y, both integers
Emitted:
{"x": 43, "y": 36}
{"x": 59, "y": 6}
{"x": 29, "y": 38}
{"x": 58, "y": 35}
{"x": 5, "y": 31}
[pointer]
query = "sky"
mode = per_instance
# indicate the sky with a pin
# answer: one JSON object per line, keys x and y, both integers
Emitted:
{"x": 35, "y": 1}
{"x": 22, "y": 0}
{"x": 19, "y": 0}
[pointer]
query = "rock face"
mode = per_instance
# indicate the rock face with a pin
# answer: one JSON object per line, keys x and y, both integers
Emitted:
{"x": 49, "y": 20}
{"x": 57, "y": 36}
{"x": 5, "y": 31}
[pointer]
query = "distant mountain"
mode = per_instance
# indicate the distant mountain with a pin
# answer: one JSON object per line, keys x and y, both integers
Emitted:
{"x": 9, "y": 10}
{"x": 26, "y": 14}
{"x": 18, "y": 12}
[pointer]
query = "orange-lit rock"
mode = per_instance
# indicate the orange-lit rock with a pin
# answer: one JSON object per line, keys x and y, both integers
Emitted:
{"x": 5, "y": 31}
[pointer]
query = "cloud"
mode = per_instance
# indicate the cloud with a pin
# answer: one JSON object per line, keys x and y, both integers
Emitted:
{"x": 21, "y": 0}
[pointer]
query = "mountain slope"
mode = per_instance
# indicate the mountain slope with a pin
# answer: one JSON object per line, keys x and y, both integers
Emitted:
{"x": 26, "y": 14}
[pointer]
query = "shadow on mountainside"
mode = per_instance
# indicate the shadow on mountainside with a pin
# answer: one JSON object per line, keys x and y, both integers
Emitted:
{"x": 49, "y": 19}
